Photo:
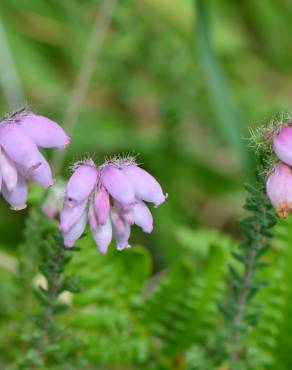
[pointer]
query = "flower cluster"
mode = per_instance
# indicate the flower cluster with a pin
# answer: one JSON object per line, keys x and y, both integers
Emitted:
{"x": 20, "y": 159}
{"x": 111, "y": 197}
{"x": 279, "y": 182}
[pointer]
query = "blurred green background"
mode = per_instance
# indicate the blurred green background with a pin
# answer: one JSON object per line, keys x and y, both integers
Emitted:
{"x": 178, "y": 82}
{"x": 159, "y": 88}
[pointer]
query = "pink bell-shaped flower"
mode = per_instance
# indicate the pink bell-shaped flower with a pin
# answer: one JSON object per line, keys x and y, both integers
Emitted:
{"x": 111, "y": 196}
{"x": 20, "y": 159}
{"x": 279, "y": 189}
{"x": 282, "y": 144}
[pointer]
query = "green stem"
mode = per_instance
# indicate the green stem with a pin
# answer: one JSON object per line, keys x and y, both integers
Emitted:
{"x": 52, "y": 298}
{"x": 256, "y": 230}
{"x": 241, "y": 303}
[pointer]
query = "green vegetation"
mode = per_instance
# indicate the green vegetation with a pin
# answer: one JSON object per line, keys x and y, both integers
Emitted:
{"x": 180, "y": 83}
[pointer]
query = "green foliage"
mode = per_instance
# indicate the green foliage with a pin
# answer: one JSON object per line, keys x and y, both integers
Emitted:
{"x": 105, "y": 316}
{"x": 167, "y": 83}
{"x": 45, "y": 345}
{"x": 241, "y": 313}
{"x": 270, "y": 344}
{"x": 221, "y": 99}
{"x": 126, "y": 318}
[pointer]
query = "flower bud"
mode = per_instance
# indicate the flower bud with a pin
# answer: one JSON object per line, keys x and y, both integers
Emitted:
{"x": 70, "y": 215}
{"x": 118, "y": 185}
{"x": 102, "y": 235}
{"x": 279, "y": 189}
{"x": 143, "y": 217}
{"x": 19, "y": 147}
{"x": 81, "y": 184}
{"x": 101, "y": 205}
{"x": 54, "y": 201}
{"x": 282, "y": 143}
{"x": 121, "y": 230}
{"x": 44, "y": 132}
{"x": 8, "y": 171}
{"x": 75, "y": 231}
{"x": 145, "y": 185}
{"x": 18, "y": 196}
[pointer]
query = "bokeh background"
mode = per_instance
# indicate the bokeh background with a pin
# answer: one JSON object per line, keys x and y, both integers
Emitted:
{"x": 176, "y": 87}
{"x": 178, "y": 83}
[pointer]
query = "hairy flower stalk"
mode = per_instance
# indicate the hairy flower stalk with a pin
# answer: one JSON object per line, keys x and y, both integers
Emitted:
{"x": 256, "y": 229}
{"x": 44, "y": 339}
{"x": 270, "y": 197}
{"x": 111, "y": 197}
{"x": 21, "y": 134}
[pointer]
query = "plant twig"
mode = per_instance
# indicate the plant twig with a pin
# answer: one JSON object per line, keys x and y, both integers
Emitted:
{"x": 256, "y": 229}
{"x": 44, "y": 340}
{"x": 94, "y": 46}
{"x": 242, "y": 298}
{"x": 53, "y": 287}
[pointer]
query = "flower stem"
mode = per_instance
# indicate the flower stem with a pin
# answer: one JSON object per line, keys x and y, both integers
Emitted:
{"x": 256, "y": 229}
{"x": 241, "y": 303}
{"x": 45, "y": 336}
{"x": 52, "y": 294}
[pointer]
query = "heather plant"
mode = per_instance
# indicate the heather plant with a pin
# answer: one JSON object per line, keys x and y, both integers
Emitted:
{"x": 99, "y": 269}
{"x": 111, "y": 197}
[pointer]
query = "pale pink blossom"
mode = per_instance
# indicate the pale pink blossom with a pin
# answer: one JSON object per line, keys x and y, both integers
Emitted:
{"x": 112, "y": 196}
{"x": 21, "y": 135}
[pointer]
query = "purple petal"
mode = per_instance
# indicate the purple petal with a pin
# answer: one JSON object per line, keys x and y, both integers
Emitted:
{"x": 102, "y": 205}
{"x": 54, "y": 201}
{"x": 118, "y": 186}
{"x": 8, "y": 171}
{"x": 103, "y": 235}
{"x": 92, "y": 217}
{"x": 70, "y": 215}
{"x": 279, "y": 189}
{"x": 121, "y": 230}
{"x": 127, "y": 214}
{"x": 143, "y": 217}
{"x": 75, "y": 231}
{"x": 17, "y": 197}
{"x": 44, "y": 132}
{"x": 19, "y": 147}
{"x": 41, "y": 175}
{"x": 145, "y": 185}
{"x": 282, "y": 143}
{"x": 81, "y": 184}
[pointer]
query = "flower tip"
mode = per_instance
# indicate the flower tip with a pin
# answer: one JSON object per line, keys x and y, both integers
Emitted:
{"x": 63, "y": 229}
{"x": 68, "y": 243}
{"x": 122, "y": 246}
{"x": 102, "y": 250}
{"x": 18, "y": 208}
{"x": 148, "y": 230}
{"x": 67, "y": 142}
{"x": 161, "y": 200}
